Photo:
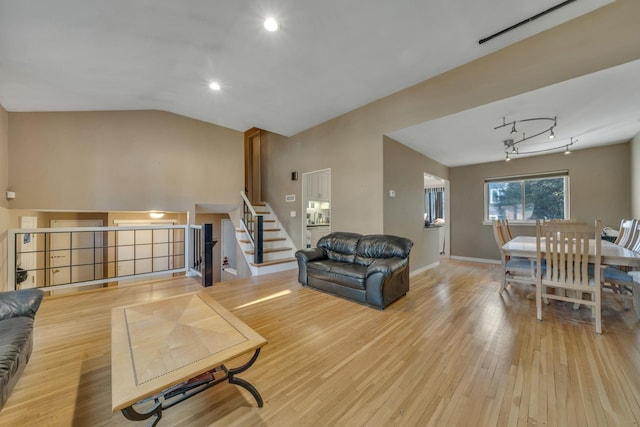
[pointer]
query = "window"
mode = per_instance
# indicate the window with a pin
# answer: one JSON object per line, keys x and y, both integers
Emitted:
{"x": 527, "y": 198}
{"x": 433, "y": 206}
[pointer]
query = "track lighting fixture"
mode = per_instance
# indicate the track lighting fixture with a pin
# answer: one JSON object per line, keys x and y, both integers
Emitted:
{"x": 539, "y": 126}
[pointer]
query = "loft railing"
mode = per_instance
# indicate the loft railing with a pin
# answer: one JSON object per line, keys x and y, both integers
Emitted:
{"x": 253, "y": 224}
{"x": 60, "y": 258}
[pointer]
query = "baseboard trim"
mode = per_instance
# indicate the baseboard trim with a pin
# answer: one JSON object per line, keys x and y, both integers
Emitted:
{"x": 423, "y": 269}
{"x": 482, "y": 260}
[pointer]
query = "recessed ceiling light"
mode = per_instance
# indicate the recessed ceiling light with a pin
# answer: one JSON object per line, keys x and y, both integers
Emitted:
{"x": 214, "y": 86}
{"x": 271, "y": 24}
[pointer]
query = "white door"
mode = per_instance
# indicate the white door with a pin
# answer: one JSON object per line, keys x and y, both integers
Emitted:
{"x": 27, "y": 248}
{"x": 75, "y": 256}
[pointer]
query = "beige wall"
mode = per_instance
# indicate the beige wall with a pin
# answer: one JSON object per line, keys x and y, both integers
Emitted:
{"x": 4, "y": 185}
{"x": 599, "y": 189}
{"x": 404, "y": 171}
{"x": 113, "y": 161}
{"x": 4, "y": 156}
{"x": 354, "y": 155}
{"x": 351, "y": 145}
{"x": 122, "y": 161}
{"x": 4, "y": 226}
{"x": 635, "y": 176}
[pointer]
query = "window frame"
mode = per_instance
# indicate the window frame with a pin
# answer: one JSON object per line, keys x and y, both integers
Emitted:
{"x": 523, "y": 178}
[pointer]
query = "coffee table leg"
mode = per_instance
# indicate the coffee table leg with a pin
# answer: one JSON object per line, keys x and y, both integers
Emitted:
{"x": 155, "y": 411}
{"x": 231, "y": 373}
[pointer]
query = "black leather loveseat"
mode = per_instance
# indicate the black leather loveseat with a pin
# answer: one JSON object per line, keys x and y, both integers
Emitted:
{"x": 372, "y": 269}
{"x": 17, "y": 310}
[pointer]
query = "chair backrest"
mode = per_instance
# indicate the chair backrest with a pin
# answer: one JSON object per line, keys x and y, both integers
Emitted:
{"x": 628, "y": 234}
{"x": 634, "y": 241}
{"x": 498, "y": 234}
{"x": 506, "y": 230}
{"x": 565, "y": 247}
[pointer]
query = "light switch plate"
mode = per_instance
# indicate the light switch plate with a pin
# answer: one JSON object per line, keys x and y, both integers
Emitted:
{"x": 293, "y": 213}
{"x": 290, "y": 198}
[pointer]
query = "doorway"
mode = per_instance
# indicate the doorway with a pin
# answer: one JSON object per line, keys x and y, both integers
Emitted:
{"x": 316, "y": 206}
{"x": 228, "y": 252}
{"x": 436, "y": 210}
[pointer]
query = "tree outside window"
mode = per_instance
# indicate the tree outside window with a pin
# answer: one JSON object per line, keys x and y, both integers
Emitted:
{"x": 527, "y": 199}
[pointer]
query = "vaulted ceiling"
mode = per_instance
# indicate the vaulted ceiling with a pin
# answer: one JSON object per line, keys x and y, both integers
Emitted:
{"x": 328, "y": 57}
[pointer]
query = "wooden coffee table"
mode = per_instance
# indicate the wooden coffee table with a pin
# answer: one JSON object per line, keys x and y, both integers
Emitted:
{"x": 166, "y": 351}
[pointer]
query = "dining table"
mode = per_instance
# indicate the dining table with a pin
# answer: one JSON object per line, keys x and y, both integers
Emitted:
{"x": 610, "y": 254}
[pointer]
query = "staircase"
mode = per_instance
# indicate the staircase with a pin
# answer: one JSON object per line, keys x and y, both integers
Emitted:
{"x": 278, "y": 249}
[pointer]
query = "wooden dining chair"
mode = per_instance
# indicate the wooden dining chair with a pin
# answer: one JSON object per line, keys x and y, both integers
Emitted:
{"x": 514, "y": 269}
{"x": 498, "y": 233}
{"x": 566, "y": 249}
{"x": 506, "y": 230}
{"x": 628, "y": 234}
{"x": 617, "y": 280}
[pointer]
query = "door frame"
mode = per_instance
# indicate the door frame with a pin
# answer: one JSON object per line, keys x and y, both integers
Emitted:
{"x": 305, "y": 202}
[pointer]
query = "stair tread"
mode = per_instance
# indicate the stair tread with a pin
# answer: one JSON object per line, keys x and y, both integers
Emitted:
{"x": 270, "y": 239}
{"x": 268, "y": 250}
{"x": 275, "y": 261}
{"x": 240, "y": 230}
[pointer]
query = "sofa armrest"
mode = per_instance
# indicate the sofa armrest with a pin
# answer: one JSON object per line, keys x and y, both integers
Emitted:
{"x": 23, "y": 302}
{"x": 386, "y": 266}
{"x": 308, "y": 255}
{"x": 304, "y": 256}
{"x": 387, "y": 280}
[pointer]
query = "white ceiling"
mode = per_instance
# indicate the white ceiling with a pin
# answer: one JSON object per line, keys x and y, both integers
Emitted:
{"x": 596, "y": 109}
{"x": 329, "y": 57}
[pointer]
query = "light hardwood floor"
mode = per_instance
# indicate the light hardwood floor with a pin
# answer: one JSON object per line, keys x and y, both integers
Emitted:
{"x": 452, "y": 352}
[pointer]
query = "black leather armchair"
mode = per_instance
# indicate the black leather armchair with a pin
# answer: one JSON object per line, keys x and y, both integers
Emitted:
{"x": 372, "y": 269}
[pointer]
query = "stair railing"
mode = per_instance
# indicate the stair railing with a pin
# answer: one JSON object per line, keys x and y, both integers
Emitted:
{"x": 253, "y": 224}
{"x": 202, "y": 243}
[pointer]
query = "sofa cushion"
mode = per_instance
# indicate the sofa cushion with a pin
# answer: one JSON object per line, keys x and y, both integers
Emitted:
{"x": 340, "y": 246}
{"x": 381, "y": 246}
{"x": 350, "y": 275}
